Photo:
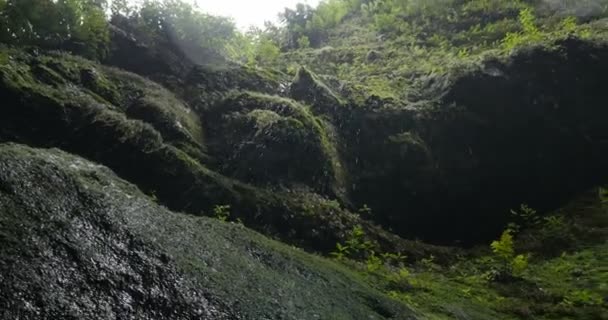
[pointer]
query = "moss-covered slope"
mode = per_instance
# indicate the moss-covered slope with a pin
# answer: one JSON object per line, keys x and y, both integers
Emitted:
{"x": 98, "y": 248}
{"x": 53, "y": 109}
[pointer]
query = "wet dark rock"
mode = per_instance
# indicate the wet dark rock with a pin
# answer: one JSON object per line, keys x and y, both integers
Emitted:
{"x": 307, "y": 88}
{"x": 66, "y": 252}
{"x": 154, "y": 140}
{"x": 529, "y": 128}
{"x": 77, "y": 242}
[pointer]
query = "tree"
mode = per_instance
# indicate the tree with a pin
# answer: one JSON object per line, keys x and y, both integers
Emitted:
{"x": 198, "y": 35}
{"x": 65, "y": 24}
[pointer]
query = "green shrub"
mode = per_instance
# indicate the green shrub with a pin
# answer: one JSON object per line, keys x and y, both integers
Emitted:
{"x": 222, "y": 212}
{"x": 504, "y": 251}
{"x": 582, "y": 298}
{"x": 303, "y": 42}
{"x": 530, "y": 32}
{"x": 79, "y": 26}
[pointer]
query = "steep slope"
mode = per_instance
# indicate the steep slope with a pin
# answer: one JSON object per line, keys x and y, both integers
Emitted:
{"x": 144, "y": 133}
{"x": 486, "y": 137}
{"x": 98, "y": 248}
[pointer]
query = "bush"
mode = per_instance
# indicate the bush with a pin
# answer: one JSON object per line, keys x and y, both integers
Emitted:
{"x": 504, "y": 251}
{"x": 222, "y": 212}
{"x": 75, "y": 25}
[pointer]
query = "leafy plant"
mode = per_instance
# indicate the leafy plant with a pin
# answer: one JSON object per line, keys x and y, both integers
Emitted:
{"x": 373, "y": 262}
{"x": 526, "y": 217}
{"x": 341, "y": 252}
{"x": 582, "y": 298}
{"x": 529, "y": 34}
{"x": 222, "y": 212}
{"x": 303, "y": 42}
{"x": 504, "y": 251}
{"x": 79, "y": 26}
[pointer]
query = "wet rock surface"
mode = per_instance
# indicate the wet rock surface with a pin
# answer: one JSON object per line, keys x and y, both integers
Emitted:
{"x": 67, "y": 253}
{"x": 79, "y": 243}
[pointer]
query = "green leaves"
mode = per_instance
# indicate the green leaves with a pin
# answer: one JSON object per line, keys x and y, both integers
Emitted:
{"x": 222, "y": 212}
{"x": 56, "y": 24}
{"x": 519, "y": 264}
{"x": 503, "y": 248}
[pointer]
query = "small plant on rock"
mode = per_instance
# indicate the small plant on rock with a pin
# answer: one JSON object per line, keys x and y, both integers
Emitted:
{"x": 511, "y": 265}
{"x": 355, "y": 246}
{"x": 222, "y": 212}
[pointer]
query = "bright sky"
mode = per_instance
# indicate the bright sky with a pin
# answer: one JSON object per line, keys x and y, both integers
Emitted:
{"x": 249, "y": 12}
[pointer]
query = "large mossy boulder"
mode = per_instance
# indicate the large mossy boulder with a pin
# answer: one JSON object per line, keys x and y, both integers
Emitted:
{"x": 268, "y": 140}
{"x": 98, "y": 248}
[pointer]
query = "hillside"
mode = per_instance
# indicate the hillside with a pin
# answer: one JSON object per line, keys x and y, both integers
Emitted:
{"x": 365, "y": 160}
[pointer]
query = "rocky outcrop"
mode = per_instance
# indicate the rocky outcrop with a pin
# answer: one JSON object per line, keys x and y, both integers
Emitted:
{"x": 268, "y": 140}
{"x": 528, "y": 128}
{"x": 97, "y": 248}
{"x": 149, "y": 137}
{"x": 307, "y": 88}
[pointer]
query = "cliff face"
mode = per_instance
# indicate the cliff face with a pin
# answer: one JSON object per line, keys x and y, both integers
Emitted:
{"x": 479, "y": 141}
{"x": 293, "y": 160}
{"x": 524, "y": 129}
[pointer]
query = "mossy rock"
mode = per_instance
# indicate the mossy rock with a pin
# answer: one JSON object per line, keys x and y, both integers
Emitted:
{"x": 267, "y": 140}
{"x": 66, "y": 78}
{"x": 99, "y": 248}
{"x": 42, "y": 115}
{"x": 306, "y": 87}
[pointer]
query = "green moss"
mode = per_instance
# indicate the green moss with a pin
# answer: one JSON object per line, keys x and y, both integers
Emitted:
{"x": 260, "y": 136}
{"x": 65, "y": 78}
{"x": 308, "y": 88}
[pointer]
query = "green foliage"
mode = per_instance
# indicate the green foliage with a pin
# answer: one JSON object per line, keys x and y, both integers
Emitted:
{"x": 569, "y": 25}
{"x": 255, "y": 47}
{"x": 79, "y": 26}
{"x": 582, "y": 298}
{"x": 341, "y": 252}
{"x": 504, "y": 247}
{"x": 504, "y": 251}
{"x": 221, "y": 212}
{"x": 530, "y": 32}
{"x": 526, "y": 218}
{"x": 373, "y": 262}
{"x": 303, "y": 42}
{"x": 358, "y": 243}
{"x": 199, "y": 35}
{"x": 519, "y": 264}
{"x": 313, "y": 23}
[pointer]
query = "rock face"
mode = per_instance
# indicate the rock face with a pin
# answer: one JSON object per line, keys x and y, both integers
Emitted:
{"x": 262, "y": 139}
{"x": 478, "y": 142}
{"x": 151, "y": 138}
{"x": 97, "y": 248}
{"x": 526, "y": 129}
{"x": 67, "y": 251}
